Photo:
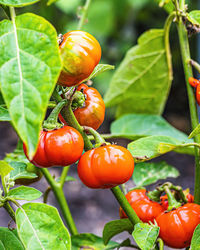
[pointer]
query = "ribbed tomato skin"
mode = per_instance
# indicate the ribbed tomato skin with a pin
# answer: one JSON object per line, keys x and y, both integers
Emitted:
{"x": 177, "y": 226}
{"x": 60, "y": 147}
{"x": 106, "y": 166}
{"x": 145, "y": 209}
{"x": 93, "y": 111}
{"x": 80, "y": 53}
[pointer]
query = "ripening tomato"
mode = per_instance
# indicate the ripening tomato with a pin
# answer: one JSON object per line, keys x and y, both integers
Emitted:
{"x": 177, "y": 226}
{"x": 145, "y": 209}
{"x": 198, "y": 94}
{"x": 60, "y": 147}
{"x": 193, "y": 82}
{"x": 80, "y": 53}
{"x": 93, "y": 111}
{"x": 106, "y": 166}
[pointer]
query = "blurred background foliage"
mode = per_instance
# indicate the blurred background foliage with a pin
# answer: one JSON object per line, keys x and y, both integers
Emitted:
{"x": 117, "y": 25}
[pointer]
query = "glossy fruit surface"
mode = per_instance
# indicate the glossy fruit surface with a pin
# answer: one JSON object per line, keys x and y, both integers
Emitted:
{"x": 177, "y": 226}
{"x": 93, "y": 111}
{"x": 194, "y": 82}
{"x": 198, "y": 94}
{"x": 145, "y": 209}
{"x": 106, "y": 166}
{"x": 60, "y": 147}
{"x": 80, "y": 53}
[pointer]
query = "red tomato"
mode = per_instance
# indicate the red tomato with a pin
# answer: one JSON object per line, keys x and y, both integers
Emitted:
{"x": 145, "y": 209}
{"x": 93, "y": 111}
{"x": 193, "y": 82}
{"x": 106, "y": 166}
{"x": 198, "y": 94}
{"x": 177, "y": 226}
{"x": 60, "y": 147}
{"x": 80, "y": 53}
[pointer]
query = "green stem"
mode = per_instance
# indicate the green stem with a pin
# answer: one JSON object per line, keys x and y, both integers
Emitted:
{"x": 195, "y": 65}
{"x": 123, "y": 186}
{"x": 9, "y": 209}
{"x": 51, "y": 121}
{"x": 64, "y": 175}
{"x": 84, "y": 14}
{"x": 167, "y": 44}
{"x": 46, "y": 194}
{"x": 125, "y": 205}
{"x": 161, "y": 244}
{"x": 185, "y": 52}
{"x": 97, "y": 137}
{"x": 173, "y": 203}
{"x": 59, "y": 194}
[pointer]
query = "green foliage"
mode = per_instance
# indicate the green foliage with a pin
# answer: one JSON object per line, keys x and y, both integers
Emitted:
{"x": 34, "y": 61}
{"x": 24, "y": 193}
{"x": 134, "y": 126}
{"x": 39, "y": 226}
{"x": 195, "y": 243}
{"x": 91, "y": 241}
{"x": 115, "y": 227}
{"x": 68, "y": 178}
{"x": 99, "y": 69}
{"x": 194, "y": 17}
{"x": 142, "y": 81}
{"x": 9, "y": 240}
{"x": 5, "y": 168}
{"x": 150, "y": 147}
{"x": 4, "y": 114}
{"x": 147, "y": 173}
{"x": 145, "y": 235}
{"x": 18, "y": 3}
{"x": 195, "y": 132}
{"x": 22, "y": 168}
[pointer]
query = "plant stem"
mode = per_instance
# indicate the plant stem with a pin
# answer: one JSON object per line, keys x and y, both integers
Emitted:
{"x": 84, "y": 14}
{"x": 59, "y": 194}
{"x": 185, "y": 52}
{"x": 46, "y": 194}
{"x": 69, "y": 117}
{"x": 97, "y": 137}
{"x": 167, "y": 44}
{"x": 9, "y": 209}
{"x": 64, "y": 175}
{"x": 161, "y": 244}
{"x": 125, "y": 205}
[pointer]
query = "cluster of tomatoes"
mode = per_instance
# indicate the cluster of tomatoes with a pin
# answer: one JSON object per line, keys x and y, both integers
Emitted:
{"x": 103, "y": 167}
{"x": 176, "y": 226}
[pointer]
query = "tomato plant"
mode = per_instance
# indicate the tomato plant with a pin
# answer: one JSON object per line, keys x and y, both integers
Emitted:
{"x": 49, "y": 95}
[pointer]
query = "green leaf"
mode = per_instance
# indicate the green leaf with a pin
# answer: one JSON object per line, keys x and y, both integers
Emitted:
{"x": 166, "y": 4}
{"x": 68, "y": 178}
{"x": 5, "y": 168}
{"x": 24, "y": 193}
{"x": 195, "y": 243}
{"x": 99, "y": 69}
{"x": 28, "y": 73}
{"x": 51, "y": 2}
{"x": 147, "y": 173}
{"x": 18, "y": 3}
{"x": 39, "y": 226}
{"x": 8, "y": 240}
{"x": 194, "y": 17}
{"x": 115, "y": 227}
{"x": 142, "y": 81}
{"x": 67, "y": 6}
{"x": 145, "y": 235}
{"x": 147, "y": 148}
{"x": 134, "y": 126}
{"x": 4, "y": 114}
{"x": 91, "y": 241}
{"x": 22, "y": 168}
{"x": 195, "y": 132}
